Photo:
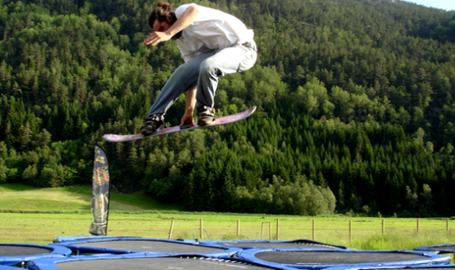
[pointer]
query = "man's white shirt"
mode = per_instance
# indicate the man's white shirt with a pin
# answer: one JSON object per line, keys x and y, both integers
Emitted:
{"x": 212, "y": 29}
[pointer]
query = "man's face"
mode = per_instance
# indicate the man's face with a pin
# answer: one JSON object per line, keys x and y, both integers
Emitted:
{"x": 161, "y": 26}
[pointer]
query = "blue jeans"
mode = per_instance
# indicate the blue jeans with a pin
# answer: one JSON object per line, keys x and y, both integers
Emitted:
{"x": 204, "y": 71}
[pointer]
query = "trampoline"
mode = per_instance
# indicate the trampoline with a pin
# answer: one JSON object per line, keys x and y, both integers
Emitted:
{"x": 420, "y": 267}
{"x": 123, "y": 245}
{"x": 443, "y": 248}
{"x": 78, "y": 239}
{"x": 4, "y": 267}
{"x": 320, "y": 258}
{"x": 249, "y": 244}
{"x": 144, "y": 262}
{"x": 19, "y": 254}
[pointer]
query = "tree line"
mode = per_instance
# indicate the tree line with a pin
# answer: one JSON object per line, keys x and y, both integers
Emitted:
{"x": 356, "y": 108}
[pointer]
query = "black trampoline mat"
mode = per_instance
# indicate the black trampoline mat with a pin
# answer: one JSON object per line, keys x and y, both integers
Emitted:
{"x": 157, "y": 264}
{"x": 276, "y": 245}
{"x": 148, "y": 245}
{"x": 313, "y": 257}
{"x": 13, "y": 250}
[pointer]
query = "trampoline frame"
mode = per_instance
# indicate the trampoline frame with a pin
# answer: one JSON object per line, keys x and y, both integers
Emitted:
{"x": 411, "y": 267}
{"x": 77, "y": 245}
{"x": 437, "y": 248}
{"x": 432, "y": 258}
{"x": 51, "y": 263}
{"x": 56, "y": 251}
{"x": 71, "y": 239}
{"x": 219, "y": 243}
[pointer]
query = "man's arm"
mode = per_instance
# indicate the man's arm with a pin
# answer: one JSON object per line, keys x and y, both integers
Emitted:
{"x": 183, "y": 22}
{"x": 190, "y": 104}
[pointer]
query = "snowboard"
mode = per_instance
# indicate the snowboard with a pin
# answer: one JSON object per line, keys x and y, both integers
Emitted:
{"x": 168, "y": 130}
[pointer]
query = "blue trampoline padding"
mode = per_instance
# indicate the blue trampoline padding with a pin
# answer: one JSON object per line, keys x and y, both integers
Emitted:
{"x": 68, "y": 239}
{"x": 94, "y": 245}
{"x": 441, "y": 248}
{"x": 53, "y": 263}
{"x": 428, "y": 258}
{"x": 19, "y": 253}
{"x": 417, "y": 267}
{"x": 250, "y": 244}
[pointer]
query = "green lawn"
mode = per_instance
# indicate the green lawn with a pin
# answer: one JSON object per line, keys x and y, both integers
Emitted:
{"x": 29, "y": 215}
{"x": 20, "y": 198}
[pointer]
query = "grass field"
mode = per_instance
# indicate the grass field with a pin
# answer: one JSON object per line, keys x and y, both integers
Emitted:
{"x": 30, "y": 215}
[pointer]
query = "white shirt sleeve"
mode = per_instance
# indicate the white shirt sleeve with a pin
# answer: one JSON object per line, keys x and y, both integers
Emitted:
{"x": 181, "y": 9}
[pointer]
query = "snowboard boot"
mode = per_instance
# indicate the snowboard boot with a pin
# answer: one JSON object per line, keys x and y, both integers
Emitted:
{"x": 152, "y": 123}
{"x": 206, "y": 116}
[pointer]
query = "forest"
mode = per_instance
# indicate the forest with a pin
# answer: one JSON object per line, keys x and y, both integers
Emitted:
{"x": 356, "y": 106}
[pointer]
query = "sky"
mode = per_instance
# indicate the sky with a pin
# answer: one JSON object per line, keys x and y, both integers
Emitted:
{"x": 441, "y": 4}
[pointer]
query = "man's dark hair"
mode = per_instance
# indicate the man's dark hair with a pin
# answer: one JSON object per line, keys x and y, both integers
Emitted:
{"x": 162, "y": 12}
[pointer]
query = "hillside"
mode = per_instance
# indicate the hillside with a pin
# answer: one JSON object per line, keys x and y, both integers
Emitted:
{"x": 16, "y": 198}
{"x": 356, "y": 106}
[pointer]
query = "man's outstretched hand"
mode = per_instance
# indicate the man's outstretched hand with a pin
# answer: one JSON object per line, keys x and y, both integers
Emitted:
{"x": 156, "y": 37}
